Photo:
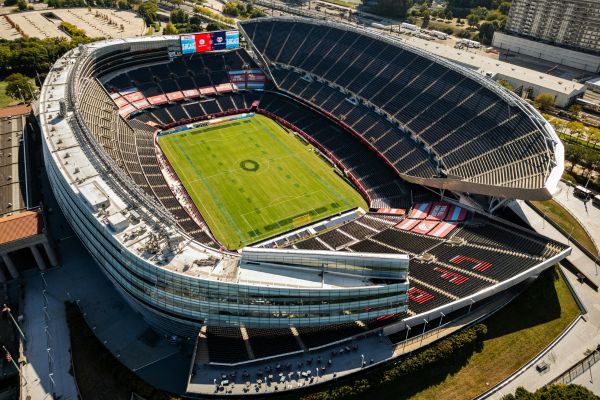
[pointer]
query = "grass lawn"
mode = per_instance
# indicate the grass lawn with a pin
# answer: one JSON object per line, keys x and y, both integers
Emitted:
{"x": 567, "y": 222}
{"x": 251, "y": 179}
{"x": 515, "y": 335}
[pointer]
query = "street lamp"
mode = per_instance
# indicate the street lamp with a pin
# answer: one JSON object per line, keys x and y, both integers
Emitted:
{"x": 406, "y": 338}
{"x": 440, "y": 325}
{"x": 470, "y": 305}
{"x": 423, "y": 333}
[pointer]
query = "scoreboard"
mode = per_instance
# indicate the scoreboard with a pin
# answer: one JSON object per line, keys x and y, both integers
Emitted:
{"x": 208, "y": 41}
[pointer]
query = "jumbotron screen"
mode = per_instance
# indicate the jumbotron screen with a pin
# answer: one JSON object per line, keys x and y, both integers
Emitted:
{"x": 201, "y": 42}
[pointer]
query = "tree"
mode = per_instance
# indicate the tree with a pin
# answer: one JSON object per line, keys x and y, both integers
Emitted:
{"x": 449, "y": 14}
{"x": 575, "y": 128}
{"x": 393, "y": 8}
{"x": 544, "y": 101}
{"x": 21, "y": 5}
{"x": 593, "y": 135}
{"x": 575, "y": 109}
{"x": 472, "y": 20}
{"x": 19, "y": 87}
{"x": 170, "y": 29}
{"x": 573, "y": 154}
{"x": 504, "y": 7}
{"x": 178, "y": 16}
{"x": 149, "y": 11}
{"x": 481, "y": 12}
{"x": 556, "y": 392}
{"x": 486, "y": 32}
{"x": 231, "y": 8}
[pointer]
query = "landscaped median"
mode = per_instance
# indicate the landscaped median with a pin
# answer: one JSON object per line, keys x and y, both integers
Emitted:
{"x": 566, "y": 222}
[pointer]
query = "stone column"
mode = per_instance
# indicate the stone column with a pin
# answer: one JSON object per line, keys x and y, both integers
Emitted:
{"x": 39, "y": 260}
{"x": 14, "y": 273}
{"x": 51, "y": 254}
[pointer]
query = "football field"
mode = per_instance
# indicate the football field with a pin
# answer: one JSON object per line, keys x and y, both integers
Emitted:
{"x": 252, "y": 179}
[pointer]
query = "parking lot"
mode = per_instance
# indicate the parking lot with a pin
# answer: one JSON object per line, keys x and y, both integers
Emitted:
{"x": 95, "y": 22}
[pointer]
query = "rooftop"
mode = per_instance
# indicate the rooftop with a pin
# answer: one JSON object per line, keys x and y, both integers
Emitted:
{"x": 19, "y": 226}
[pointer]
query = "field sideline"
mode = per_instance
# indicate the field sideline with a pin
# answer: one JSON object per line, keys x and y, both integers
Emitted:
{"x": 251, "y": 179}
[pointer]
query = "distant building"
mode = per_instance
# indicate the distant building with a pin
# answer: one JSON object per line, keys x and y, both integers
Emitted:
{"x": 574, "y": 24}
{"x": 565, "y": 32}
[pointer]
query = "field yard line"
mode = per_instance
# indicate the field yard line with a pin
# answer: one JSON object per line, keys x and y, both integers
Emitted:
{"x": 324, "y": 183}
{"x": 283, "y": 201}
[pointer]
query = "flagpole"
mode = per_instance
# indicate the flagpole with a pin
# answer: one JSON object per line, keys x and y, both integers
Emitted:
{"x": 9, "y": 356}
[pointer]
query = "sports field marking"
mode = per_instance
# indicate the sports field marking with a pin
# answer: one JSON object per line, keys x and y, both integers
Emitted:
{"x": 252, "y": 180}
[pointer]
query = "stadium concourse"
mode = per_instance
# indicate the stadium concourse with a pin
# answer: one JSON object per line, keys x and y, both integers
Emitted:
{"x": 433, "y": 149}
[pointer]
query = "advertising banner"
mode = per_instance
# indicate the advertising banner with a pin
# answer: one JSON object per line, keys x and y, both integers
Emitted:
{"x": 202, "y": 42}
{"x": 218, "y": 40}
{"x": 232, "y": 39}
{"x": 188, "y": 44}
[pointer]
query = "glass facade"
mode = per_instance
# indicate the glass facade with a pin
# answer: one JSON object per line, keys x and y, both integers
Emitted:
{"x": 178, "y": 303}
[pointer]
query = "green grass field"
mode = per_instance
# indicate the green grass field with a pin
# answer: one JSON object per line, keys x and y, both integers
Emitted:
{"x": 251, "y": 179}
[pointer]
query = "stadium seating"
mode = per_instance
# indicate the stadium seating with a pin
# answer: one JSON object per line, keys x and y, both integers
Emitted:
{"x": 444, "y": 269}
{"x": 473, "y": 132}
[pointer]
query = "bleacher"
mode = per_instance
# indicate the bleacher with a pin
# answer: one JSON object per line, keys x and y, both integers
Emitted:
{"x": 131, "y": 145}
{"x": 479, "y": 253}
{"x": 272, "y": 341}
{"x": 226, "y": 345}
{"x": 475, "y": 134}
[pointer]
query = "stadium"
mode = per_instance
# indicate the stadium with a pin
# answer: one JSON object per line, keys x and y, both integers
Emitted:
{"x": 294, "y": 184}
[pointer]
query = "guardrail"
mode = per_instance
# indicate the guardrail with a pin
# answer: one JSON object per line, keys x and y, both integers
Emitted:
{"x": 578, "y": 369}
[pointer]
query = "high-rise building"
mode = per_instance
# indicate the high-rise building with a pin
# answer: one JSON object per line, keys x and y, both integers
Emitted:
{"x": 574, "y": 23}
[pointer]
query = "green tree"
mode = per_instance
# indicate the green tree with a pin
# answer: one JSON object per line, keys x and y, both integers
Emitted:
{"x": 393, "y": 8}
{"x": 449, "y": 14}
{"x": 553, "y": 392}
{"x": 575, "y": 128}
{"x": 21, "y": 5}
{"x": 544, "y": 101}
{"x": 170, "y": 29}
{"x": 19, "y": 87}
{"x": 149, "y": 11}
{"x": 504, "y": 7}
{"x": 575, "y": 109}
{"x": 573, "y": 154}
{"x": 472, "y": 20}
{"x": 481, "y": 12}
{"x": 231, "y": 8}
{"x": 9, "y": 3}
{"x": 486, "y": 32}
{"x": 593, "y": 135}
{"x": 178, "y": 16}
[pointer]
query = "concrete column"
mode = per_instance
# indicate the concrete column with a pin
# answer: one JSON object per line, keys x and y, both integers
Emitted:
{"x": 39, "y": 260}
{"x": 51, "y": 255}
{"x": 14, "y": 273}
{"x": 2, "y": 276}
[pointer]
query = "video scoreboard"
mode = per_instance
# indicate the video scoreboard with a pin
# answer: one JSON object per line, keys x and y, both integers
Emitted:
{"x": 209, "y": 41}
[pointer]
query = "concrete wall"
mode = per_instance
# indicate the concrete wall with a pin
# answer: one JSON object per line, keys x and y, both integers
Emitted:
{"x": 570, "y": 58}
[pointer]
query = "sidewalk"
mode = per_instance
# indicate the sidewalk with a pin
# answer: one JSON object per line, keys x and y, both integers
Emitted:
{"x": 577, "y": 257}
{"x": 587, "y": 214}
{"x": 586, "y": 332}
{"x": 584, "y": 335}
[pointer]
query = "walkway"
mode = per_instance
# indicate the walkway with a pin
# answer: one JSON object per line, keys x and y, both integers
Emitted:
{"x": 585, "y": 335}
